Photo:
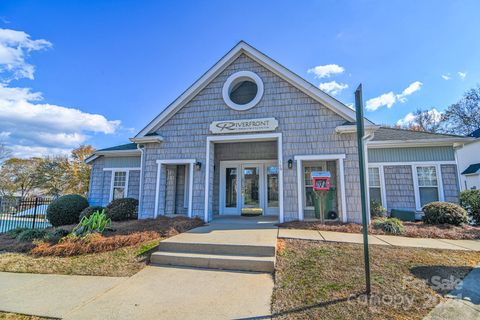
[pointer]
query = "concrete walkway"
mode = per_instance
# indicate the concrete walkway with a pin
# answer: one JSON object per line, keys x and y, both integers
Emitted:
{"x": 50, "y": 295}
{"x": 463, "y": 303}
{"x": 399, "y": 241}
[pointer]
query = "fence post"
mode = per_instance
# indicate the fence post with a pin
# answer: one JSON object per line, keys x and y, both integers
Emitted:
{"x": 35, "y": 213}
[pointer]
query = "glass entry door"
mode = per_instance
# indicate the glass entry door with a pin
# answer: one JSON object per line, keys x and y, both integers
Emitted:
{"x": 248, "y": 187}
{"x": 251, "y": 187}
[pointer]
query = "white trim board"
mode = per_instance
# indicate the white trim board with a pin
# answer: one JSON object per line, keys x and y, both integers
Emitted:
{"x": 123, "y": 169}
{"x": 340, "y": 158}
{"x": 245, "y": 137}
{"x": 190, "y": 163}
{"x": 270, "y": 64}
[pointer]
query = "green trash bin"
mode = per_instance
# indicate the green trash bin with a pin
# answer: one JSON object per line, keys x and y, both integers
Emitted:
{"x": 328, "y": 198}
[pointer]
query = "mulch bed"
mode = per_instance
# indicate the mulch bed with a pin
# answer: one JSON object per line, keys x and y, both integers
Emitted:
{"x": 122, "y": 234}
{"x": 412, "y": 229}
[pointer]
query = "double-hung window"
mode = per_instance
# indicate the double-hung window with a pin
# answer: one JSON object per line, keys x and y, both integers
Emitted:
{"x": 119, "y": 186}
{"x": 427, "y": 184}
{"x": 375, "y": 189}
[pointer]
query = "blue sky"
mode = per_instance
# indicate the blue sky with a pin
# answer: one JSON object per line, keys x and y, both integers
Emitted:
{"x": 106, "y": 68}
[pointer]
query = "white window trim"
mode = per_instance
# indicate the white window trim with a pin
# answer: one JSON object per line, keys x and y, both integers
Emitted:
{"x": 247, "y": 75}
{"x": 186, "y": 187}
{"x": 383, "y": 193}
{"x": 245, "y": 137}
{"x": 112, "y": 179}
{"x": 341, "y": 175}
{"x": 438, "y": 169}
{"x": 190, "y": 163}
{"x": 305, "y": 185}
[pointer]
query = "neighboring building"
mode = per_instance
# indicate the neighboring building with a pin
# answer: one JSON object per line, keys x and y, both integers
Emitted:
{"x": 245, "y": 138}
{"x": 468, "y": 157}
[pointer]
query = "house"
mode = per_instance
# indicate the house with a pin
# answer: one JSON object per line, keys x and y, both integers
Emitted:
{"x": 468, "y": 158}
{"x": 245, "y": 137}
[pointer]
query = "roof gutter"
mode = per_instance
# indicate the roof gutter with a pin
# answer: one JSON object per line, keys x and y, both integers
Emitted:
{"x": 454, "y": 141}
{"x": 147, "y": 139}
{"x": 123, "y": 153}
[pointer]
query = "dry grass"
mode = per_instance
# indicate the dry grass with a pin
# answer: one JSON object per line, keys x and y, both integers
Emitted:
{"x": 412, "y": 229}
{"x": 118, "y": 263}
{"x": 16, "y": 316}
{"x": 318, "y": 280}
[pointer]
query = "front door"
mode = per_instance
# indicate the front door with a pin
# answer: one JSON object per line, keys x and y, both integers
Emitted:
{"x": 248, "y": 187}
{"x": 252, "y": 190}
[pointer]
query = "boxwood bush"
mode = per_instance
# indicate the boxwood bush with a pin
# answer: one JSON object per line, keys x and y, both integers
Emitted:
{"x": 444, "y": 213}
{"x": 389, "y": 225}
{"x": 88, "y": 211}
{"x": 122, "y": 209}
{"x": 377, "y": 210}
{"x": 31, "y": 234}
{"x": 66, "y": 210}
{"x": 470, "y": 201}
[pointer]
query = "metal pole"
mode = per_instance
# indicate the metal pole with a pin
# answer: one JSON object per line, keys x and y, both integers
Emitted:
{"x": 363, "y": 193}
{"x": 34, "y": 213}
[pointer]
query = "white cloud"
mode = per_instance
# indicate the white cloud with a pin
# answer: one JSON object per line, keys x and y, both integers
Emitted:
{"x": 14, "y": 47}
{"x": 333, "y": 87}
{"x": 28, "y": 126}
{"x": 326, "y": 70}
{"x": 390, "y": 98}
{"x": 462, "y": 75}
{"x": 409, "y": 119}
{"x": 446, "y": 76}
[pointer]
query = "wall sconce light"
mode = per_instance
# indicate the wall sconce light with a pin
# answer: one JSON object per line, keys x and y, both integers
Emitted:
{"x": 290, "y": 163}
{"x": 198, "y": 165}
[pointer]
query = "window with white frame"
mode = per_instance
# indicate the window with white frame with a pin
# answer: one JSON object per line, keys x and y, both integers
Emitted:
{"x": 375, "y": 188}
{"x": 427, "y": 184}
{"x": 119, "y": 187}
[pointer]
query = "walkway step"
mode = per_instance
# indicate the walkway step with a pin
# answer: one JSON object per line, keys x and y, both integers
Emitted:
{"x": 217, "y": 249}
{"x": 214, "y": 261}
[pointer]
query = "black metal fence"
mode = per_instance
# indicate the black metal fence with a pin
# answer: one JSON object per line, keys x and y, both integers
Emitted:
{"x": 18, "y": 212}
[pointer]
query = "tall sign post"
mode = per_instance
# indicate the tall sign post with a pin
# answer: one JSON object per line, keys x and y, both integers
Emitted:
{"x": 363, "y": 192}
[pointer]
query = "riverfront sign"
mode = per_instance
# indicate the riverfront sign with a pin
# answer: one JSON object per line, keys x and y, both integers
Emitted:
{"x": 251, "y": 125}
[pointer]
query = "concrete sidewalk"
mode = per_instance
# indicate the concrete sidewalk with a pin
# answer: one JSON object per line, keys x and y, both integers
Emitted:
{"x": 387, "y": 240}
{"x": 50, "y": 295}
{"x": 463, "y": 303}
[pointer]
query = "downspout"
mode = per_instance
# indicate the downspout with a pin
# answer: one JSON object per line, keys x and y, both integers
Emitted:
{"x": 140, "y": 191}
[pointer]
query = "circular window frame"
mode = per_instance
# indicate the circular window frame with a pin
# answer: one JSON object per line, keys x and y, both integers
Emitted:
{"x": 236, "y": 78}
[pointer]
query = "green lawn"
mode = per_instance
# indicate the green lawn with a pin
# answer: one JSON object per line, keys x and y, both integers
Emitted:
{"x": 319, "y": 280}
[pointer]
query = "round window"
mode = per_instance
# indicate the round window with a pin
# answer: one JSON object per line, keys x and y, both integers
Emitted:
{"x": 242, "y": 90}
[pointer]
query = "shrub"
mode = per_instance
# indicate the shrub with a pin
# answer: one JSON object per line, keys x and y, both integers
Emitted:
{"x": 444, "y": 213}
{"x": 88, "y": 211}
{"x": 55, "y": 236}
{"x": 389, "y": 225}
{"x": 66, "y": 210}
{"x": 15, "y": 232}
{"x": 31, "y": 234}
{"x": 377, "y": 210}
{"x": 123, "y": 209}
{"x": 97, "y": 222}
{"x": 470, "y": 201}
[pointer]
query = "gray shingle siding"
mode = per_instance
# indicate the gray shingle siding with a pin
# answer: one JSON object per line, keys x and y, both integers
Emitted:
{"x": 122, "y": 162}
{"x": 451, "y": 188}
{"x": 307, "y": 128}
{"x": 399, "y": 187}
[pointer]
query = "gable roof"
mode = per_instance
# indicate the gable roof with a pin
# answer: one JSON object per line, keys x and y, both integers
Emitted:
{"x": 122, "y": 147}
{"x": 270, "y": 64}
{"x": 472, "y": 169}
{"x": 129, "y": 149}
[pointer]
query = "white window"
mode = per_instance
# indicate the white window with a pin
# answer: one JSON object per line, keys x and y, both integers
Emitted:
{"x": 427, "y": 184}
{"x": 242, "y": 90}
{"x": 374, "y": 183}
{"x": 119, "y": 184}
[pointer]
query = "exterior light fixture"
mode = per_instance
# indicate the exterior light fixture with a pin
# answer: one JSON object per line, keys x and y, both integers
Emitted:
{"x": 290, "y": 163}
{"x": 198, "y": 165}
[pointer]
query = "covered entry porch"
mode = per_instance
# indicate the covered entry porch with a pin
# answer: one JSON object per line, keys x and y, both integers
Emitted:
{"x": 244, "y": 176}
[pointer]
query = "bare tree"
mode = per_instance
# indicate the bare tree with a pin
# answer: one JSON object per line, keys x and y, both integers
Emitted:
{"x": 463, "y": 117}
{"x": 5, "y": 153}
